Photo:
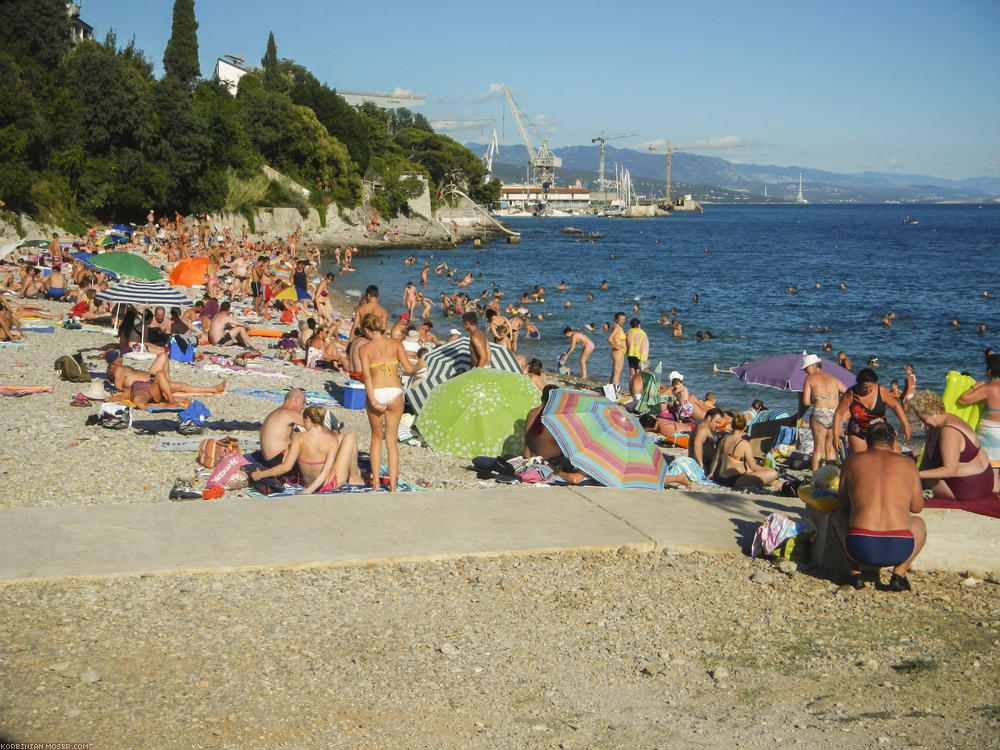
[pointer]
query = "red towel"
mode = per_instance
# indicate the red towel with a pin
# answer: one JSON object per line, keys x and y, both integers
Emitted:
{"x": 985, "y": 506}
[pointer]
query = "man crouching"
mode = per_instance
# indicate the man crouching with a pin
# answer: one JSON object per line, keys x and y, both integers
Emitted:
{"x": 879, "y": 489}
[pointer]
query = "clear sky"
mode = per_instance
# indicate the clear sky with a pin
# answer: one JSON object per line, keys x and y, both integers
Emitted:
{"x": 906, "y": 87}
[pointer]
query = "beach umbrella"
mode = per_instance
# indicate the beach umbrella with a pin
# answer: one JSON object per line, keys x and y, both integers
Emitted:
{"x": 66, "y": 241}
{"x": 293, "y": 293}
{"x": 478, "y": 413}
{"x": 122, "y": 228}
{"x": 449, "y": 360}
{"x": 126, "y": 264}
{"x": 603, "y": 440}
{"x": 40, "y": 244}
{"x": 281, "y": 269}
{"x": 190, "y": 272}
{"x": 784, "y": 372}
{"x": 87, "y": 260}
{"x": 144, "y": 294}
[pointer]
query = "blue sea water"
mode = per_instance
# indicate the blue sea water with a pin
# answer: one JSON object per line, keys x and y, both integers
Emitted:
{"x": 740, "y": 261}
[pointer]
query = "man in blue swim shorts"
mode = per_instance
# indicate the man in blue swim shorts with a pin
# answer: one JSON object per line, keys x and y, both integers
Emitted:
{"x": 879, "y": 489}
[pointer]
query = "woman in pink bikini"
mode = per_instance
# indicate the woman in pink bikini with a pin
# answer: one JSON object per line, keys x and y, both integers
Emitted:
{"x": 325, "y": 460}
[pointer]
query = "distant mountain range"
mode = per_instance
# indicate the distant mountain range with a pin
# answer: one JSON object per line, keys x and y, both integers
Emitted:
{"x": 712, "y": 178}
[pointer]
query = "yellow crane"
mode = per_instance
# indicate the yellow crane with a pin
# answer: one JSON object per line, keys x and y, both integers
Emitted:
{"x": 669, "y": 149}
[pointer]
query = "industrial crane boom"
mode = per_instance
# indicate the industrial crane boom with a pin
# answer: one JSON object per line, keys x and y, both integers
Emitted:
{"x": 515, "y": 110}
{"x": 543, "y": 162}
{"x": 602, "y": 139}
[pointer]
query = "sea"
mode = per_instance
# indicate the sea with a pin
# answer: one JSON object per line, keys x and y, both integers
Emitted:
{"x": 741, "y": 262}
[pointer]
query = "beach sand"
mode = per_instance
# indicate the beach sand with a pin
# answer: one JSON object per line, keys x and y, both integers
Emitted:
{"x": 569, "y": 650}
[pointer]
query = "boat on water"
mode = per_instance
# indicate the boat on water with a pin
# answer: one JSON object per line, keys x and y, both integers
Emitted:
{"x": 908, "y": 220}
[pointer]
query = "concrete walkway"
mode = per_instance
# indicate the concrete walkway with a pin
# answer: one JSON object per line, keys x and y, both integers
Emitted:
{"x": 81, "y": 541}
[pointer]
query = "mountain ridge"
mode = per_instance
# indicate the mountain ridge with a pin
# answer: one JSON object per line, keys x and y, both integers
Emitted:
{"x": 818, "y": 185}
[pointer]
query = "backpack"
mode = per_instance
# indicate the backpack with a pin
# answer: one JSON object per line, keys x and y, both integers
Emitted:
{"x": 71, "y": 368}
{"x": 115, "y": 416}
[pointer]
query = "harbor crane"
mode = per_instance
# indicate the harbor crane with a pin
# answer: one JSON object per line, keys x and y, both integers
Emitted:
{"x": 543, "y": 162}
{"x": 491, "y": 151}
{"x": 670, "y": 149}
{"x": 602, "y": 139}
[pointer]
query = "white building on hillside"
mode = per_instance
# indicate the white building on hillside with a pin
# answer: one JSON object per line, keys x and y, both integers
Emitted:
{"x": 229, "y": 70}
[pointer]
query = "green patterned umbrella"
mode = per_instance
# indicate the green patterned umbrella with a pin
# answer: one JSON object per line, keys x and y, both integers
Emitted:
{"x": 478, "y": 413}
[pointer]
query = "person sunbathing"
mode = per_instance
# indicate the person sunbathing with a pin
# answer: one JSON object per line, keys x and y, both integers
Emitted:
{"x": 8, "y": 322}
{"x": 155, "y": 385}
{"x": 325, "y": 460}
{"x": 735, "y": 465}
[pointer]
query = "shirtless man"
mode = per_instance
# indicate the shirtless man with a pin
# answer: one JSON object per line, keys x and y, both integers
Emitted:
{"x": 822, "y": 391}
{"x": 276, "y": 429}
{"x": 617, "y": 341}
{"x": 152, "y": 386}
{"x": 55, "y": 250}
{"x": 259, "y": 274}
{"x": 879, "y": 489}
{"x": 240, "y": 268}
{"x": 701, "y": 446}
{"x": 398, "y": 330}
{"x": 369, "y": 305}
{"x": 479, "y": 349}
{"x": 225, "y": 330}
{"x": 55, "y": 284}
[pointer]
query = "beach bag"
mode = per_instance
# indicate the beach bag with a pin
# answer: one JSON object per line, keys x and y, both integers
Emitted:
{"x": 181, "y": 350}
{"x": 786, "y": 436}
{"x": 780, "y": 536}
{"x": 115, "y": 416}
{"x": 70, "y": 368}
{"x": 212, "y": 451}
{"x": 226, "y": 471}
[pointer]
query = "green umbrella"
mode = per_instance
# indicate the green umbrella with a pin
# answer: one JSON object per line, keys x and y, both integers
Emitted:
{"x": 34, "y": 243}
{"x": 126, "y": 264}
{"x": 478, "y": 413}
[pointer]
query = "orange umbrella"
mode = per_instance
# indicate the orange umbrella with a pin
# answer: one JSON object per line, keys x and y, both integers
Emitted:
{"x": 190, "y": 272}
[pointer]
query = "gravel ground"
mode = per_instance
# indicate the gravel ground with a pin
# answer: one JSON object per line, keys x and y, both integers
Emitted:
{"x": 628, "y": 650}
{"x": 613, "y": 650}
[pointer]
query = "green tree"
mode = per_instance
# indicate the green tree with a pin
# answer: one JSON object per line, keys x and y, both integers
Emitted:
{"x": 273, "y": 78}
{"x": 444, "y": 159}
{"x": 180, "y": 59}
{"x": 37, "y": 33}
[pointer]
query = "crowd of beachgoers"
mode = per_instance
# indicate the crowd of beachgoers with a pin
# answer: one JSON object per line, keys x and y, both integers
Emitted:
{"x": 262, "y": 306}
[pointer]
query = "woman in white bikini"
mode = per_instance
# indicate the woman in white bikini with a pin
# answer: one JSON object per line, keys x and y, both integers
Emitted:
{"x": 381, "y": 358}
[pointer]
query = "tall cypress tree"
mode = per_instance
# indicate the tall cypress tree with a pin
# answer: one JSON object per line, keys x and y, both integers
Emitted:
{"x": 180, "y": 59}
{"x": 273, "y": 78}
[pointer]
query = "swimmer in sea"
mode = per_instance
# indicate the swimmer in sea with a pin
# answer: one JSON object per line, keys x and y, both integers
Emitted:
{"x": 561, "y": 285}
{"x": 604, "y": 285}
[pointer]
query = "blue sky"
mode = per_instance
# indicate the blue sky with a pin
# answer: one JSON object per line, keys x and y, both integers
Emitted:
{"x": 906, "y": 87}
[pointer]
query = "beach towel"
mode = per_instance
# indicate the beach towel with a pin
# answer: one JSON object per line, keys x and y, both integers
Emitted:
{"x": 156, "y": 426}
{"x": 24, "y": 390}
{"x": 40, "y": 329}
{"x": 986, "y": 506}
{"x": 190, "y": 444}
{"x": 989, "y": 439}
{"x": 313, "y": 398}
{"x": 12, "y": 343}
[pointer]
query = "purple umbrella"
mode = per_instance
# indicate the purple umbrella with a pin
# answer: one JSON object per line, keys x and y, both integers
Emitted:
{"x": 784, "y": 371}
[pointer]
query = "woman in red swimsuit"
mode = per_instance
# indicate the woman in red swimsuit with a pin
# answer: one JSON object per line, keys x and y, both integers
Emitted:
{"x": 863, "y": 405}
{"x": 325, "y": 459}
{"x": 954, "y": 465}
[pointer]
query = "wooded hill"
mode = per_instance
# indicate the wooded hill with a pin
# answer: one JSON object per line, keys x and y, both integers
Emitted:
{"x": 87, "y": 132}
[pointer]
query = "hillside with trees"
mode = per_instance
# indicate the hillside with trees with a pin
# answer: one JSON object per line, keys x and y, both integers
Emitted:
{"x": 88, "y": 132}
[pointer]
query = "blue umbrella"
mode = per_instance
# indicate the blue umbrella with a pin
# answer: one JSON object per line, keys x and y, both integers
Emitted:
{"x": 122, "y": 228}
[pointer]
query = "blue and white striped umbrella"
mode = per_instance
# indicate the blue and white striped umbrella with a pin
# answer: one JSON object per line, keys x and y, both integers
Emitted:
{"x": 144, "y": 294}
{"x": 451, "y": 359}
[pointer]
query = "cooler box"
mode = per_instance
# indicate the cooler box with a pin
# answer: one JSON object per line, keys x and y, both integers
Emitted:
{"x": 354, "y": 395}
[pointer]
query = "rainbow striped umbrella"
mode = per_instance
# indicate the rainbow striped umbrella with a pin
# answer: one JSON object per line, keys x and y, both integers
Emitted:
{"x": 603, "y": 440}
{"x": 280, "y": 268}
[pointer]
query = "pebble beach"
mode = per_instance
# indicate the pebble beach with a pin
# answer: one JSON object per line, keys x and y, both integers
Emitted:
{"x": 613, "y": 648}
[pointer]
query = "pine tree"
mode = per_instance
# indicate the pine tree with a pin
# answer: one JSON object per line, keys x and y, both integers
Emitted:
{"x": 180, "y": 59}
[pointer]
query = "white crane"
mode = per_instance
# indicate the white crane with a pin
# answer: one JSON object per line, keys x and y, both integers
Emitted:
{"x": 491, "y": 151}
{"x": 543, "y": 162}
{"x": 602, "y": 139}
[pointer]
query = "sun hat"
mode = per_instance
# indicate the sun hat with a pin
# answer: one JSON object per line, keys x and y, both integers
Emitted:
{"x": 95, "y": 391}
{"x": 413, "y": 337}
{"x": 810, "y": 359}
{"x": 111, "y": 355}
{"x": 674, "y": 374}
{"x": 454, "y": 332}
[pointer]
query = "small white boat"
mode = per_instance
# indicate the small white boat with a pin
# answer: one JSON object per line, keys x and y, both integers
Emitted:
{"x": 908, "y": 220}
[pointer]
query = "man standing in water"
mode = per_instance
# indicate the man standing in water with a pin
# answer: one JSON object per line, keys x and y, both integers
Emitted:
{"x": 822, "y": 391}
{"x": 617, "y": 341}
